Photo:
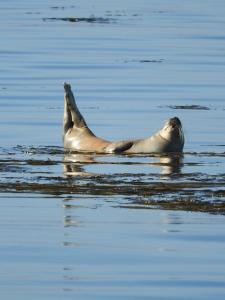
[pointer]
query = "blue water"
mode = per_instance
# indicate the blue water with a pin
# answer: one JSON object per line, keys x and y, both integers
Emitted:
{"x": 130, "y": 69}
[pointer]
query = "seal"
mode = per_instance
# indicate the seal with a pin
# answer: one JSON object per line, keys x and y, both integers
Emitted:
{"x": 78, "y": 137}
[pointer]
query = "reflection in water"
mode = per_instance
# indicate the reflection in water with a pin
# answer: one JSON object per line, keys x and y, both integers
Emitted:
{"x": 171, "y": 222}
{"x": 74, "y": 164}
{"x": 171, "y": 164}
{"x": 70, "y": 221}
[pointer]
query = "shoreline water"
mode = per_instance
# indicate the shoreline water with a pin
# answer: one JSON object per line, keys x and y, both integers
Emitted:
{"x": 112, "y": 226}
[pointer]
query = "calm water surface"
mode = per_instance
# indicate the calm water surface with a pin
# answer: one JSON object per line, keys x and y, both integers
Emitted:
{"x": 105, "y": 226}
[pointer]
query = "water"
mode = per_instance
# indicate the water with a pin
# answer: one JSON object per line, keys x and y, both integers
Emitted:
{"x": 112, "y": 226}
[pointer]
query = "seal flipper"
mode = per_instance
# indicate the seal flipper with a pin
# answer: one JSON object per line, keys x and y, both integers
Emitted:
{"x": 119, "y": 147}
{"x": 77, "y": 118}
{"x": 67, "y": 119}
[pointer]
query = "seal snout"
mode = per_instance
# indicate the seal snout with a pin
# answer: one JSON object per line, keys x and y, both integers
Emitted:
{"x": 67, "y": 86}
{"x": 175, "y": 122}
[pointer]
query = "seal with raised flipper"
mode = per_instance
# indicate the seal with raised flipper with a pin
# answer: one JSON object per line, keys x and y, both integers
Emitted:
{"x": 78, "y": 137}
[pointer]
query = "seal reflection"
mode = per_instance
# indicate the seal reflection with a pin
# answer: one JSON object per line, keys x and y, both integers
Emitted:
{"x": 75, "y": 164}
{"x": 171, "y": 164}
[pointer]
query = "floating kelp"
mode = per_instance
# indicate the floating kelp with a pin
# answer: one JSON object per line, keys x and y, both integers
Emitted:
{"x": 193, "y": 107}
{"x": 91, "y": 19}
{"x": 168, "y": 181}
{"x": 187, "y": 204}
{"x": 144, "y": 61}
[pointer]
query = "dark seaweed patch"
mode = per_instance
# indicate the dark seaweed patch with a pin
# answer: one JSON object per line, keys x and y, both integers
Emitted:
{"x": 178, "y": 204}
{"x": 151, "y": 61}
{"x": 173, "y": 196}
{"x": 193, "y": 107}
{"x": 91, "y": 19}
{"x": 144, "y": 61}
{"x": 51, "y": 171}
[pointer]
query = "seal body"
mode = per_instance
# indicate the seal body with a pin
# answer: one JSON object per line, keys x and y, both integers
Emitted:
{"x": 82, "y": 139}
{"x": 78, "y": 137}
{"x": 169, "y": 139}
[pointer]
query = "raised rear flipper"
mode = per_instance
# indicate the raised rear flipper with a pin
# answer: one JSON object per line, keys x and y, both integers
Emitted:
{"x": 72, "y": 109}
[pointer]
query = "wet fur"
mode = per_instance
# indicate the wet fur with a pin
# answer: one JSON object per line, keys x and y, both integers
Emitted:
{"x": 78, "y": 137}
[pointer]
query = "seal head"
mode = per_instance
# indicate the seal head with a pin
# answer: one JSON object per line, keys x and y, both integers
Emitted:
{"x": 173, "y": 133}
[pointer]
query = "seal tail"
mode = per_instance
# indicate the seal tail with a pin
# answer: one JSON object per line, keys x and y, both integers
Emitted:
{"x": 72, "y": 115}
